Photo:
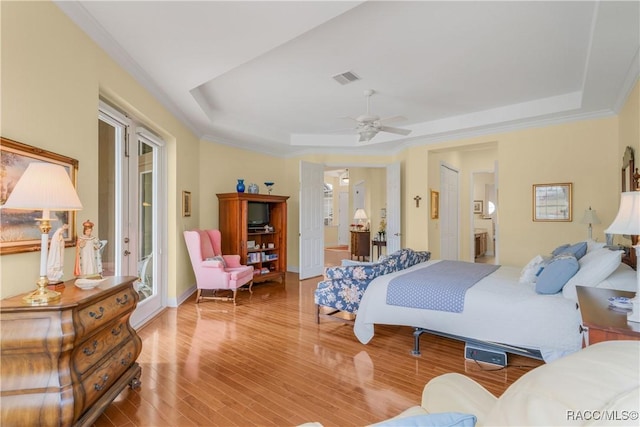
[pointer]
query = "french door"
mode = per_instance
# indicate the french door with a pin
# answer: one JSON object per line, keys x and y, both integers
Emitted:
{"x": 130, "y": 198}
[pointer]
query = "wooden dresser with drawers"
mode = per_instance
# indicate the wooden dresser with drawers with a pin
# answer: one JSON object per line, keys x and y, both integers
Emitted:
{"x": 63, "y": 363}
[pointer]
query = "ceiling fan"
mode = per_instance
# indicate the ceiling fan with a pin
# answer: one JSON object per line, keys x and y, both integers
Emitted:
{"x": 369, "y": 124}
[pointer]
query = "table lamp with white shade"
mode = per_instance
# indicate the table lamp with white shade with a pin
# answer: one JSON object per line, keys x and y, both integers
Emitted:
{"x": 43, "y": 187}
{"x": 590, "y": 217}
{"x": 360, "y": 216}
{"x": 628, "y": 222}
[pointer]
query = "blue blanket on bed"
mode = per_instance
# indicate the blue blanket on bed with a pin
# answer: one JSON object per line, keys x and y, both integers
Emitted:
{"x": 440, "y": 286}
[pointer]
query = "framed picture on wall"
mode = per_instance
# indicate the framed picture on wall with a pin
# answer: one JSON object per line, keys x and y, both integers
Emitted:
{"x": 18, "y": 232}
{"x": 552, "y": 202}
{"x": 186, "y": 203}
{"x": 477, "y": 206}
{"x": 435, "y": 204}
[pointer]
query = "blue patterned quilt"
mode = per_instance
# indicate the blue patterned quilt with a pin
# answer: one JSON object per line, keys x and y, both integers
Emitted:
{"x": 440, "y": 286}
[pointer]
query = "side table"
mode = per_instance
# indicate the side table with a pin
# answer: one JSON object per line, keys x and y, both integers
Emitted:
{"x": 601, "y": 322}
{"x": 378, "y": 244}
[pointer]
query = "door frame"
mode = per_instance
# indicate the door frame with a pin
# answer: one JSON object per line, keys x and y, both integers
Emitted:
{"x": 347, "y": 166}
{"x": 135, "y": 132}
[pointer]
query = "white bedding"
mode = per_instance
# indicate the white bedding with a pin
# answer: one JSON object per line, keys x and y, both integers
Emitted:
{"x": 496, "y": 309}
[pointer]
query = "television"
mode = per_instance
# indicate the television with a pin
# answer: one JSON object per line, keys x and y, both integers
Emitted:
{"x": 257, "y": 214}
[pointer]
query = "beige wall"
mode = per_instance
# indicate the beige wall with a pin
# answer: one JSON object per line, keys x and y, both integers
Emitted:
{"x": 53, "y": 75}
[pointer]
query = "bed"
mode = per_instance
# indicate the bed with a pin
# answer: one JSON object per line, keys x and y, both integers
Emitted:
{"x": 501, "y": 309}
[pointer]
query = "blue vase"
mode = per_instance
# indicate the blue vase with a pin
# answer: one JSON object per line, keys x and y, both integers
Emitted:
{"x": 240, "y": 186}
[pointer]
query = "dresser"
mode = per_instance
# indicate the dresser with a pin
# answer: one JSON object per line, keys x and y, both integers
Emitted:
{"x": 360, "y": 244}
{"x": 63, "y": 363}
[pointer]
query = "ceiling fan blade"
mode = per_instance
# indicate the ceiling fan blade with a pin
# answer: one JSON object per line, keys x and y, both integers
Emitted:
{"x": 393, "y": 119}
{"x": 398, "y": 131}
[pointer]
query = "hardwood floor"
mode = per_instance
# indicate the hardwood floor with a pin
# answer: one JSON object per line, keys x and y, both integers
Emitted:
{"x": 265, "y": 362}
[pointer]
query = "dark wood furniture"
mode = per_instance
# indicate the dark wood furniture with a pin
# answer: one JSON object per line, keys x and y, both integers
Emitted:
{"x": 63, "y": 363}
{"x": 269, "y": 262}
{"x": 360, "y": 244}
{"x": 631, "y": 176}
{"x": 601, "y": 322}
{"x": 480, "y": 243}
{"x": 378, "y": 244}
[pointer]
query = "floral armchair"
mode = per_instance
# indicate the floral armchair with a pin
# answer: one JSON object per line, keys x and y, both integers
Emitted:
{"x": 343, "y": 287}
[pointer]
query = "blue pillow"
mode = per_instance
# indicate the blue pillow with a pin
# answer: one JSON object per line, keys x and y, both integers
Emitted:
{"x": 578, "y": 250}
{"x": 555, "y": 274}
{"x": 558, "y": 250}
{"x": 442, "y": 419}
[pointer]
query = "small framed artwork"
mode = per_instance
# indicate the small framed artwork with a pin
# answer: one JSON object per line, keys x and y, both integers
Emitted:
{"x": 186, "y": 203}
{"x": 383, "y": 213}
{"x": 435, "y": 204}
{"x": 552, "y": 202}
{"x": 477, "y": 206}
{"x": 18, "y": 229}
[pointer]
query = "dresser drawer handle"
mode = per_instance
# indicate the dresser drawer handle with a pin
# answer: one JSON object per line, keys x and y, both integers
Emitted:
{"x": 96, "y": 315}
{"x": 116, "y": 331}
{"x": 124, "y": 300}
{"x": 126, "y": 361}
{"x": 88, "y": 351}
{"x": 99, "y": 387}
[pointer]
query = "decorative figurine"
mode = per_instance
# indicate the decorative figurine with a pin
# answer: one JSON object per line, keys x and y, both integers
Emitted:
{"x": 55, "y": 260}
{"x": 88, "y": 257}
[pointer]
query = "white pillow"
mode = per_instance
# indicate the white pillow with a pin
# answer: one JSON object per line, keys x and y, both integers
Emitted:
{"x": 528, "y": 273}
{"x": 592, "y": 245}
{"x": 624, "y": 278}
{"x": 595, "y": 267}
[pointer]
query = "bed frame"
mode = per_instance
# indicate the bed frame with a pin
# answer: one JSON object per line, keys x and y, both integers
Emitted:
{"x": 534, "y": 354}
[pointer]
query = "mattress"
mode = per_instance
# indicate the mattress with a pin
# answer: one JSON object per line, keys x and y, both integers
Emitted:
{"x": 496, "y": 309}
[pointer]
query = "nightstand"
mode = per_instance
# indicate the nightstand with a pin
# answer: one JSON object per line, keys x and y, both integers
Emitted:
{"x": 601, "y": 322}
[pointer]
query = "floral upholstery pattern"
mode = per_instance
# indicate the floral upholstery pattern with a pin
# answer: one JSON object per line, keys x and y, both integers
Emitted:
{"x": 343, "y": 287}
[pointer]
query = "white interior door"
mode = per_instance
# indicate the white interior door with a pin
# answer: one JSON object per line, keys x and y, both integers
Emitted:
{"x": 343, "y": 218}
{"x": 449, "y": 214}
{"x": 393, "y": 208}
{"x": 311, "y": 220}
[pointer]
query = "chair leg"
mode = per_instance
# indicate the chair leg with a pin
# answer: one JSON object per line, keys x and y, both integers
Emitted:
{"x": 198, "y": 296}
{"x": 235, "y": 292}
{"x": 250, "y": 286}
{"x": 317, "y": 314}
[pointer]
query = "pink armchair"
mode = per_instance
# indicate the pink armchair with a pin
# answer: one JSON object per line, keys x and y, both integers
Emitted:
{"x": 213, "y": 270}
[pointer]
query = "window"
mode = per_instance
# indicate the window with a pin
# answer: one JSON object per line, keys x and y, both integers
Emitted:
{"x": 328, "y": 204}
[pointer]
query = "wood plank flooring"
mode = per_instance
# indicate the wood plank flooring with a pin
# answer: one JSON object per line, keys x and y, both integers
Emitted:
{"x": 265, "y": 362}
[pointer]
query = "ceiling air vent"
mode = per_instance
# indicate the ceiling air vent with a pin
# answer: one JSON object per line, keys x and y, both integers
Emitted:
{"x": 346, "y": 77}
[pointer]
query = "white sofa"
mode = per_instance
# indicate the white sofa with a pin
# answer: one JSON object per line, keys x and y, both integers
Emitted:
{"x": 599, "y": 385}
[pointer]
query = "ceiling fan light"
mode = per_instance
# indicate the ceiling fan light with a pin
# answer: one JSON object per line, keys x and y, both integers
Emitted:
{"x": 368, "y": 134}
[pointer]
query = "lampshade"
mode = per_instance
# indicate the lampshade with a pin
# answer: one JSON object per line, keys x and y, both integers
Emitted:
{"x": 628, "y": 219}
{"x": 590, "y": 217}
{"x": 360, "y": 214}
{"x": 44, "y": 186}
{"x": 628, "y": 222}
